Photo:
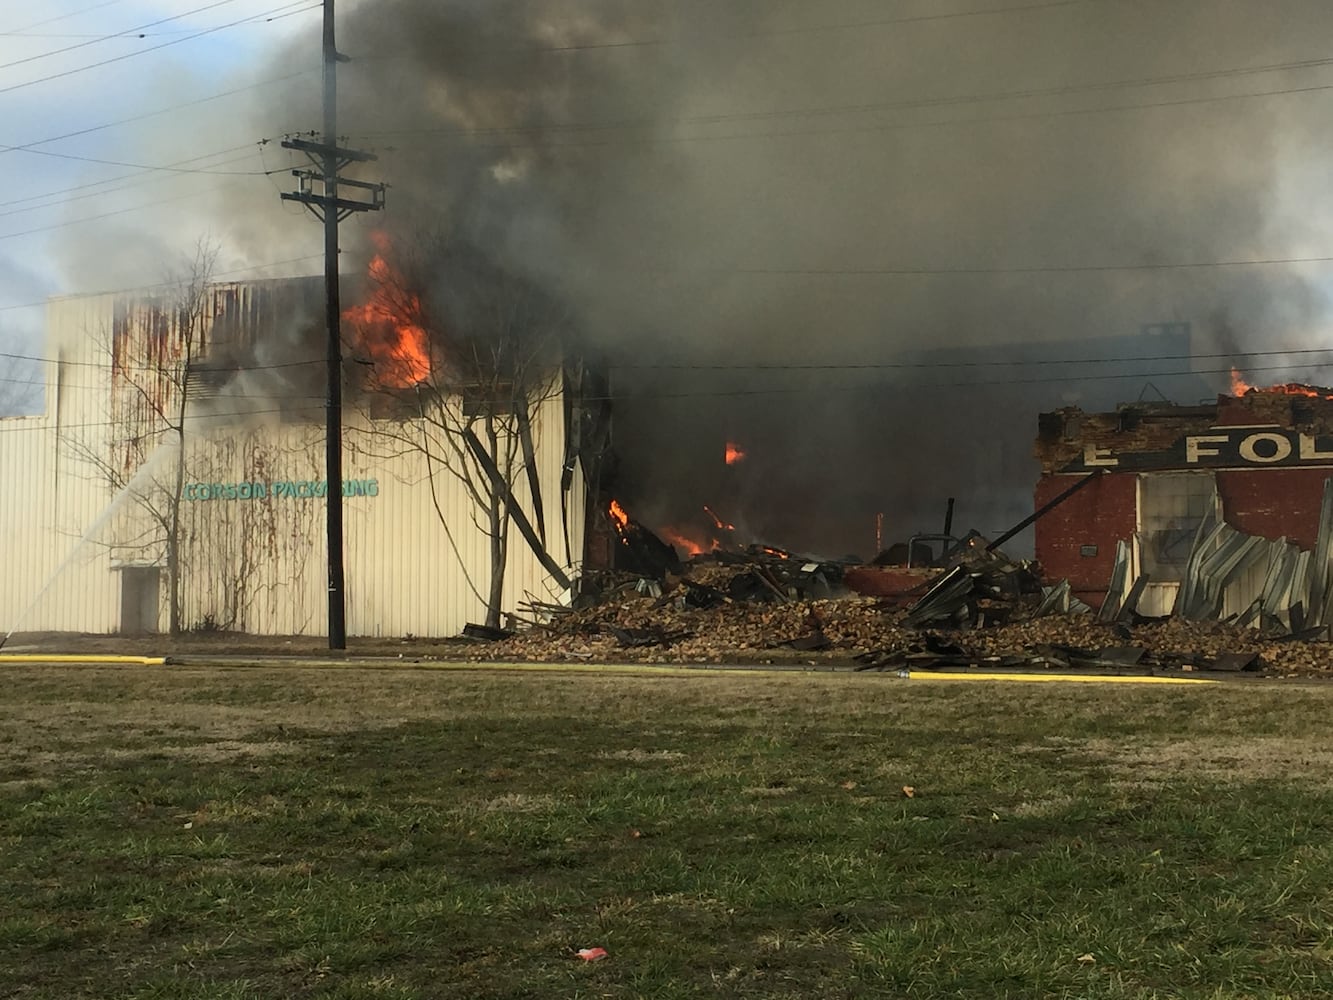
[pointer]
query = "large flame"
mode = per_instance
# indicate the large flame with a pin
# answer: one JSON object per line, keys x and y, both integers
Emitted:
{"x": 618, "y": 516}
{"x": 388, "y": 325}
{"x": 1240, "y": 387}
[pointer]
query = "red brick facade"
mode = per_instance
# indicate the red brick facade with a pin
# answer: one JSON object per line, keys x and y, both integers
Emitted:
{"x": 1098, "y": 515}
{"x": 1274, "y": 502}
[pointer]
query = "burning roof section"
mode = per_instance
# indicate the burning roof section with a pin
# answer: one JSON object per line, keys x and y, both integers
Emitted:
{"x": 389, "y": 327}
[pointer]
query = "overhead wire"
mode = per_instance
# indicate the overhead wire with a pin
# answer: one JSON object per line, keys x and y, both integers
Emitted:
{"x": 144, "y": 166}
{"x": 97, "y": 218}
{"x": 642, "y": 43}
{"x": 876, "y": 107}
{"x": 169, "y": 283}
{"x": 657, "y": 140}
{"x": 128, "y": 181}
{"x": 830, "y": 366}
{"x": 152, "y": 114}
{"x": 161, "y": 430}
{"x": 127, "y": 33}
{"x": 894, "y": 365}
{"x": 154, "y": 48}
{"x": 66, "y": 16}
{"x": 823, "y": 391}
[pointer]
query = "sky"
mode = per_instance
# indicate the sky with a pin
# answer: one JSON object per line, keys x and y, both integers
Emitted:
{"x": 825, "y": 189}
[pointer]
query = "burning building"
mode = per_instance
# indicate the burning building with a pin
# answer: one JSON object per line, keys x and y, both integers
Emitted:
{"x": 1151, "y": 474}
{"x": 175, "y": 479}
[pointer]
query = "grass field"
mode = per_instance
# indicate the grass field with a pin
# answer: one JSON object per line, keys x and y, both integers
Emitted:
{"x": 170, "y": 832}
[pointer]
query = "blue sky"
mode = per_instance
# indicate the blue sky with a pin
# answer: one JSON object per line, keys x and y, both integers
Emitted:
{"x": 50, "y": 86}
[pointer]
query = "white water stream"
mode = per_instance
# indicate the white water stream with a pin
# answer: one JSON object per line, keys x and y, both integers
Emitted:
{"x": 141, "y": 479}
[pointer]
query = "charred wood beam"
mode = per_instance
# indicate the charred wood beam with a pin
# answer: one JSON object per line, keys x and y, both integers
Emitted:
{"x": 530, "y": 463}
{"x": 521, "y": 521}
{"x": 1045, "y": 509}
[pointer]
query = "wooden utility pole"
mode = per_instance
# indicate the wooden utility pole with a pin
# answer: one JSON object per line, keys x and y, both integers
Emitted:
{"x": 329, "y": 159}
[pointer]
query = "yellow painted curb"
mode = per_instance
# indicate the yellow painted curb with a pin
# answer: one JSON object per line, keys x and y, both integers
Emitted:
{"x": 619, "y": 669}
{"x": 1056, "y": 678}
{"x": 137, "y": 661}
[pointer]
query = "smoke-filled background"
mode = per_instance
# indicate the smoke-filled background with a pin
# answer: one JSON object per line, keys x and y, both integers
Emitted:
{"x": 865, "y": 242}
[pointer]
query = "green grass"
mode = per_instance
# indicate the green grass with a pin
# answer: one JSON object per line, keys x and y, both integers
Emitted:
{"x": 192, "y": 833}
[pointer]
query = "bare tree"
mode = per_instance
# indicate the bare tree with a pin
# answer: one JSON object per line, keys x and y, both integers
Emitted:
{"x": 461, "y": 355}
{"x": 153, "y": 345}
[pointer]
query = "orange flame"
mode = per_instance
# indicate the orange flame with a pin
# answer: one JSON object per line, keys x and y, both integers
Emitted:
{"x": 734, "y": 453}
{"x": 1239, "y": 387}
{"x": 619, "y": 516}
{"x": 389, "y": 326}
{"x": 676, "y": 538}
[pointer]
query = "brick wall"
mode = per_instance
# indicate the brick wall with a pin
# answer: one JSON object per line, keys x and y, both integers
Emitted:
{"x": 1100, "y": 514}
{"x": 1274, "y": 502}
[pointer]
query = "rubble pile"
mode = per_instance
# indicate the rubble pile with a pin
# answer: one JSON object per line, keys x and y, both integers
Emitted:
{"x": 765, "y": 610}
{"x": 971, "y": 607}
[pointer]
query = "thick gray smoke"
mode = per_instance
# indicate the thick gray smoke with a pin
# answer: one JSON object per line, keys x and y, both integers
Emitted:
{"x": 764, "y": 184}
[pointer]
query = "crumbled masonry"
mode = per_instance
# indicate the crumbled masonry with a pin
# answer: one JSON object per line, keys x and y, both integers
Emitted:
{"x": 695, "y": 618}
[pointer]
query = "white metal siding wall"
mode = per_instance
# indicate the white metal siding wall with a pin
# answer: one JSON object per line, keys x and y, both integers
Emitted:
{"x": 259, "y": 565}
{"x": 49, "y": 498}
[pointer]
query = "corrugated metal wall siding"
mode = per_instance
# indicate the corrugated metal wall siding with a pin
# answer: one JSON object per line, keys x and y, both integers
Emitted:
{"x": 44, "y": 508}
{"x": 256, "y": 566}
{"x": 51, "y": 497}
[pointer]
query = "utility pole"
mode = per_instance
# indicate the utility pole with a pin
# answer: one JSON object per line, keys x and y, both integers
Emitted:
{"x": 329, "y": 159}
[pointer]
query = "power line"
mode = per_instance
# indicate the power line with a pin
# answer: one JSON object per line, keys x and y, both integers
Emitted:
{"x": 164, "y": 284}
{"x": 105, "y": 366}
{"x": 60, "y": 428}
{"x": 198, "y": 396}
{"x": 717, "y": 394}
{"x": 154, "y": 48}
{"x": 842, "y": 272}
{"x": 134, "y": 181}
{"x": 996, "y": 383}
{"x": 138, "y": 166}
{"x": 843, "y": 130}
{"x": 893, "y": 365}
{"x": 847, "y": 130}
{"x": 150, "y": 114}
{"x": 873, "y": 107}
{"x": 73, "y": 13}
{"x": 642, "y": 43}
{"x": 65, "y": 34}
{"x": 96, "y": 218}
{"x": 861, "y": 272}
{"x": 127, "y": 33}
{"x": 833, "y": 367}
